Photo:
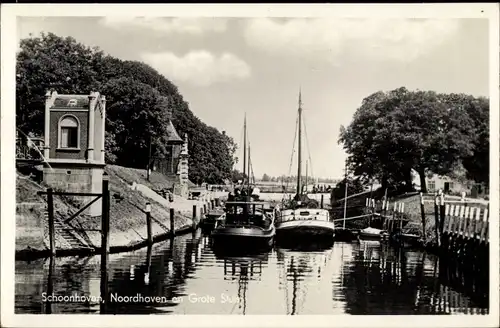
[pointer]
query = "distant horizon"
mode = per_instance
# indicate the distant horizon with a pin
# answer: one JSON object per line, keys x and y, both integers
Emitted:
{"x": 226, "y": 67}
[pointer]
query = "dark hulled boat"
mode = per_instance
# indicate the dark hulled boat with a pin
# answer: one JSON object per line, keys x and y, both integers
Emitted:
{"x": 210, "y": 220}
{"x": 246, "y": 224}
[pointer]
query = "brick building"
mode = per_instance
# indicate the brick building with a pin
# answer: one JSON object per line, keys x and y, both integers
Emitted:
{"x": 74, "y": 144}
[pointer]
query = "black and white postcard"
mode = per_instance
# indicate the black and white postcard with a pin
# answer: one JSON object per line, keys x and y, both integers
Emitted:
{"x": 322, "y": 165}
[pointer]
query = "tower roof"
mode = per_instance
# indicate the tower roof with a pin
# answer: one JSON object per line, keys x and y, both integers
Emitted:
{"x": 71, "y": 101}
{"x": 173, "y": 136}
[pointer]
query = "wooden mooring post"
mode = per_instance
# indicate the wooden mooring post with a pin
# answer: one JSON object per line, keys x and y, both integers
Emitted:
{"x": 422, "y": 215}
{"x": 50, "y": 284}
{"x": 322, "y": 200}
{"x": 194, "y": 217}
{"x": 148, "y": 223}
{"x": 442, "y": 213}
{"x": 394, "y": 214}
{"x": 465, "y": 238}
{"x": 104, "y": 244}
{"x": 401, "y": 218}
{"x": 52, "y": 232}
{"x": 387, "y": 216}
{"x": 436, "y": 219}
{"x": 372, "y": 209}
{"x": 383, "y": 212}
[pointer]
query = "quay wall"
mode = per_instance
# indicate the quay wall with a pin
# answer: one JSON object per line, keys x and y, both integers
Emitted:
{"x": 129, "y": 193}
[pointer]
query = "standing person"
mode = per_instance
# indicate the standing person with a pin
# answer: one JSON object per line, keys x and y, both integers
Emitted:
{"x": 230, "y": 197}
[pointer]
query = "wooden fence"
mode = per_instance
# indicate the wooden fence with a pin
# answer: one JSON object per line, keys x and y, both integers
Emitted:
{"x": 460, "y": 233}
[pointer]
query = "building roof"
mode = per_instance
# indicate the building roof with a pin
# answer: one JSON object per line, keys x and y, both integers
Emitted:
{"x": 173, "y": 136}
{"x": 71, "y": 101}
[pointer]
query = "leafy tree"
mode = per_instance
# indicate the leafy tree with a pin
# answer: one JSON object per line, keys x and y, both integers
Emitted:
{"x": 237, "y": 176}
{"x": 266, "y": 177}
{"x": 395, "y": 132}
{"x": 354, "y": 186}
{"x": 136, "y": 114}
{"x": 477, "y": 165}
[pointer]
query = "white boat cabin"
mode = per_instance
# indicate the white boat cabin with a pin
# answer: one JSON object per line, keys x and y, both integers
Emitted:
{"x": 304, "y": 214}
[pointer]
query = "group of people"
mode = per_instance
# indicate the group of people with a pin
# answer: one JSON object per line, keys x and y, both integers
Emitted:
{"x": 321, "y": 189}
{"x": 242, "y": 193}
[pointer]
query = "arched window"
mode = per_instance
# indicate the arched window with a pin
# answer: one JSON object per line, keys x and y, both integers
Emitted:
{"x": 69, "y": 132}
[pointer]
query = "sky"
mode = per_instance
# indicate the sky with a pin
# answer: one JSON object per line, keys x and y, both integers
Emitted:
{"x": 226, "y": 67}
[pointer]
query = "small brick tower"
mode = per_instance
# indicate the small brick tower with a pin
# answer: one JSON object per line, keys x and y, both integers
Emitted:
{"x": 74, "y": 144}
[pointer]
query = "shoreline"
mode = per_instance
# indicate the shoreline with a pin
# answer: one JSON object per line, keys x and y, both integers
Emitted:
{"x": 29, "y": 254}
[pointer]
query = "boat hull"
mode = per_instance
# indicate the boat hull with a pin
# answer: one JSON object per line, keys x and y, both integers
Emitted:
{"x": 306, "y": 228}
{"x": 245, "y": 237}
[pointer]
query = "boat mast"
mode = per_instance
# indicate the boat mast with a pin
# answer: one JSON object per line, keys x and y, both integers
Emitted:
{"x": 299, "y": 145}
{"x": 307, "y": 162}
{"x": 345, "y": 197}
{"x": 244, "y": 147}
{"x": 248, "y": 166}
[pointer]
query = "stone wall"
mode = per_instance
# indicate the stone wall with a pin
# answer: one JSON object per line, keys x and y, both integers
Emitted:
{"x": 77, "y": 179}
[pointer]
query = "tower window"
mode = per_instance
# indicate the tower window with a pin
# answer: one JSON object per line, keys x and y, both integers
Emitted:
{"x": 69, "y": 132}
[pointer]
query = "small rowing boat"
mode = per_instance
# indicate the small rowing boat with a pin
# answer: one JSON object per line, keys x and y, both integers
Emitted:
{"x": 373, "y": 234}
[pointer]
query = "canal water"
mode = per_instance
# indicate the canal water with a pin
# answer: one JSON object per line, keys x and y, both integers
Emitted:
{"x": 185, "y": 276}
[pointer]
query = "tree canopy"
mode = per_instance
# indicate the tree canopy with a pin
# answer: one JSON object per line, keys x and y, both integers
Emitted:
{"x": 395, "y": 132}
{"x": 140, "y": 102}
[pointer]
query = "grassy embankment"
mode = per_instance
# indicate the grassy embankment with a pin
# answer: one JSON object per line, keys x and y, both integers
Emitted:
{"x": 127, "y": 218}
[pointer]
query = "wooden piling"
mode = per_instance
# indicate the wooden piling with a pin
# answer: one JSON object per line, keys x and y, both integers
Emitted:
{"x": 442, "y": 213}
{"x": 475, "y": 223}
{"x": 436, "y": 220}
{"x": 461, "y": 221}
{"x": 446, "y": 222}
{"x": 386, "y": 217}
{"x": 52, "y": 232}
{"x": 422, "y": 215}
{"x": 322, "y": 199}
{"x": 172, "y": 221}
{"x": 50, "y": 284}
{"x": 401, "y": 210}
{"x": 212, "y": 204}
{"x": 104, "y": 244}
{"x": 194, "y": 217}
{"x": 148, "y": 223}
{"x": 372, "y": 212}
{"x": 205, "y": 209}
{"x": 456, "y": 221}
{"x": 484, "y": 228}
{"x": 391, "y": 224}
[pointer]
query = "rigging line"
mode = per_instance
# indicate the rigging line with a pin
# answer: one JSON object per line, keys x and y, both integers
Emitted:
{"x": 307, "y": 143}
{"x": 241, "y": 137}
{"x": 293, "y": 145}
{"x": 251, "y": 176}
{"x": 293, "y": 152}
{"x": 31, "y": 143}
{"x": 251, "y": 170}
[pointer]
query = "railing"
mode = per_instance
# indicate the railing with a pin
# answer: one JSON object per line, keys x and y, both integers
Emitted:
{"x": 29, "y": 148}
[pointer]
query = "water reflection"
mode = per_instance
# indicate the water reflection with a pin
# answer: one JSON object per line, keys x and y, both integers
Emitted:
{"x": 185, "y": 276}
